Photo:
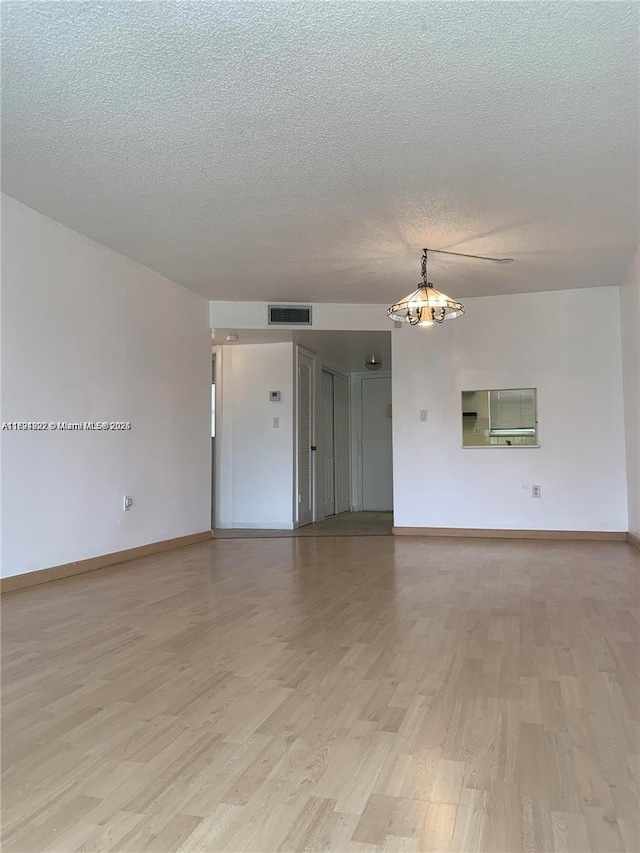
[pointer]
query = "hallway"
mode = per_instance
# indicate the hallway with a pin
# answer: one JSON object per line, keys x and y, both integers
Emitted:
{"x": 345, "y": 524}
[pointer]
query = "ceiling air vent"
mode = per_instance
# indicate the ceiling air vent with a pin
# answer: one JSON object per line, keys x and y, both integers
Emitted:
{"x": 289, "y": 315}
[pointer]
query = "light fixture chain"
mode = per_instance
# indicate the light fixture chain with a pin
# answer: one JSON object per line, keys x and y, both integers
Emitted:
{"x": 424, "y": 266}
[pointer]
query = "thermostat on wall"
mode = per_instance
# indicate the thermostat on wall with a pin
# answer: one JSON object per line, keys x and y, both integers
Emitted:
{"x": 274, "y": 396}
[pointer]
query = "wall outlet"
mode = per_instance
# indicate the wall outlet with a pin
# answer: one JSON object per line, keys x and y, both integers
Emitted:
{"x": 276, "y": 423}
{"x": 127, "y": 503}
{"x": 424, "y": 415}
{"x": 535, "y": 491}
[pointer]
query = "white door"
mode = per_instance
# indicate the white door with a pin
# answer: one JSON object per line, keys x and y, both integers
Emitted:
{"x": 341, "y": 444}
{"x": 304, "y": 466}
{"x": 327, "y": 447}
{"x": 377, "y": 471}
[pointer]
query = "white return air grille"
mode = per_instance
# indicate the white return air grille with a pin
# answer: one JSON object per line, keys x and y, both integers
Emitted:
{"x": 289, "y": 315}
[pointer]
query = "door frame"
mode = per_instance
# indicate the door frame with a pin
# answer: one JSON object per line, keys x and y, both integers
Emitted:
{"x": 300, "y": 350}
{"x": 356, "y": 433}
{"x": 218, "y": 467}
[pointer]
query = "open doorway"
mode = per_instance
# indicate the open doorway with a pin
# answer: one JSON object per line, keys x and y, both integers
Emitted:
{"x": 376, "y": 443}
{"x": 335, "y": 474}
{"x": 299, "y": 415}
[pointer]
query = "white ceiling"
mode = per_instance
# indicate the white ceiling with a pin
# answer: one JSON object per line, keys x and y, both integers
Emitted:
{"x": 348, "y": 350}
{"x": 307, "y": 151}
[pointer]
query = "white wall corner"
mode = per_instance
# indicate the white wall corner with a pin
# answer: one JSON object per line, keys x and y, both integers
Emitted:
{"x": 630, "y": 354}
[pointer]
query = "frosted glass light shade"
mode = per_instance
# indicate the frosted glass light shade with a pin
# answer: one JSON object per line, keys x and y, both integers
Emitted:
{"x": 424, "y": 307}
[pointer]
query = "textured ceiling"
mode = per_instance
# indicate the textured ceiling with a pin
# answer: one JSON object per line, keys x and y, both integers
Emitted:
{"x": 307, "y": 151}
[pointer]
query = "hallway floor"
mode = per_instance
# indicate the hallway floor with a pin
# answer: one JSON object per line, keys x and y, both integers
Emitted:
{"x": 345, "y": 524}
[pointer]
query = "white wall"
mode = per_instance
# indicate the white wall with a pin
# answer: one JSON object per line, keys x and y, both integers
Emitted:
{"x": 630, "y": 322}
{"x": 327, "y": 316}
{"x": 256, "y": 461}
{"x": 567, "y": 345}
{"x": 90, "y": 335}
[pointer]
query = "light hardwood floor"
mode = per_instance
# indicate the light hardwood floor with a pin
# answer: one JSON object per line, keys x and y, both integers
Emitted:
{"x": 348, "y": 694}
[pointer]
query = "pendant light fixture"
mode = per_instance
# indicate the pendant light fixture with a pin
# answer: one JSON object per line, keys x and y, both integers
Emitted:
{"x": 426, "y": 305}
{"x": 372, "y": 362}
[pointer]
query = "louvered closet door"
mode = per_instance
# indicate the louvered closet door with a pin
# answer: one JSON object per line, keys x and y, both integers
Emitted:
{"x": 304, "y": 465}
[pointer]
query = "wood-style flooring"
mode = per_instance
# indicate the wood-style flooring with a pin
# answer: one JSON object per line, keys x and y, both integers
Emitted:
{"x": 348, "y": 694}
